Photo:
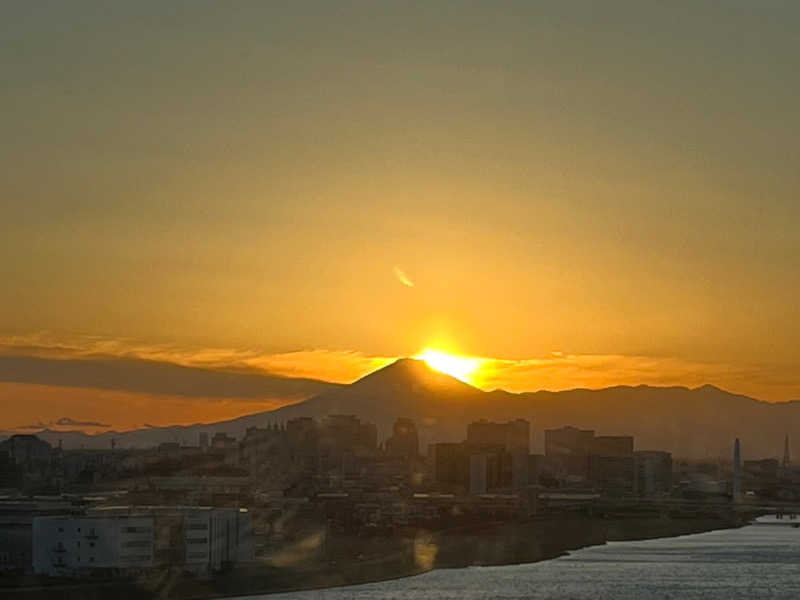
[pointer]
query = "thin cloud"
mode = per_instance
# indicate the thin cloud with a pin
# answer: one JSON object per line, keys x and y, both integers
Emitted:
{"x": 556, "y": 370}
{"x": 147, "y": 376}
{"x": 36, "y": 426}
{"x": 337, "y": 366}
{"x": 64, "y": 422}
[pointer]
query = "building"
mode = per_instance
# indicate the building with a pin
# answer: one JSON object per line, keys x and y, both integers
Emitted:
{"x": 545, "y": 470}
{"x": 223, "y": 441}
{"x": 765, "y": 471}
{"x": 736, "y": 484}
{"x": 123, "y": 540}
{"x": 786, "y": 463}
{"x": 514, "y": 435}
{"x": 263, "y": 450}
{"x": 202, "y": 485}
{"x": 475, "y": 468}
{"x": 478, "y": 474}
{"x": 567, "y": 450}
{"x": 82, "y": 546}
{"x": 576, "y": 455}
{"x": 450, "y": 463}
{"x": 404, "y": 440}
{"x": 612, "y": 466}
{"x": 216, "y": 538}
{"x": 613, "y": 475}
{"x": 653, "y": 473}
{"x": 11, "y": 475}
{"x": 169, "y": 448}
{"x": 16, "y": 529}
{"x": 513, "y": 438}
{"x": 27, "y": 450}
{"x": 341, "y": 440}
{"x": 348, "y": 434}
{"x": 568, "y": 441}
{"x": 611, "y": 445}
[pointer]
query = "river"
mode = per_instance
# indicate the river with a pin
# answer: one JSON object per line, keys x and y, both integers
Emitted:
{"x": 761, "y": 560}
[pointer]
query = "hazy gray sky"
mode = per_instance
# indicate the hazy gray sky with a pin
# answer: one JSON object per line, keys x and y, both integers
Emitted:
{"x": 600, "y": 178}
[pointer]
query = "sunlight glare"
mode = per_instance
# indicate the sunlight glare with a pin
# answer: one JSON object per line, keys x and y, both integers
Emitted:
{"x": 461, "y": 367}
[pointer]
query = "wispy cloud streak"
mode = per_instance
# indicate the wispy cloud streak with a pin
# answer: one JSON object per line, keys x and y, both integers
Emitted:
{"x": 554, "y": 371}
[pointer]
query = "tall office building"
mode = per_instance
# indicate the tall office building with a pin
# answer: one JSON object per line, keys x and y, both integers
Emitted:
{"x": 786, "y": 459}
{"x": 404, "y": 440}
{"x": 611, "y": 445}
{"x": 736, "y": 488}
{"x": 568, "y": 441}
{"x": 653, "y": 473}
{"x": 512, "y": 435}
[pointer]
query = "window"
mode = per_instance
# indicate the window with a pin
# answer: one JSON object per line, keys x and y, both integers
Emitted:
{"x": 196, "y": 540}
{"x": 137, "y": 530}
{"x": 135, "y": 557}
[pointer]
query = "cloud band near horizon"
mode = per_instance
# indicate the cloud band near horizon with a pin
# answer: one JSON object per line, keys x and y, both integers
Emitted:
{"x": 196, "y": 383}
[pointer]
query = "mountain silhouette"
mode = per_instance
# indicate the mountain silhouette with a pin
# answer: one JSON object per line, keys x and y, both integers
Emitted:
{"x": 700, "y": 422}
{"x": 406, "y": 386}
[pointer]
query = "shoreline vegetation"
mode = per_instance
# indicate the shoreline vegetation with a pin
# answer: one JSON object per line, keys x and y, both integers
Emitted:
{"x": 350, "y": 560}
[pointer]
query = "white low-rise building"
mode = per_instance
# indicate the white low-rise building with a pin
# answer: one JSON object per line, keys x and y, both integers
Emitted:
{"x": 77, "y": 546}
{"x": 215, "y": 538}
{"x": 129, "y": 539}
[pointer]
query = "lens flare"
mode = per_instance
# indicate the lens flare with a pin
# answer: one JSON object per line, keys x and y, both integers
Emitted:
{"x": 402, "y": 277}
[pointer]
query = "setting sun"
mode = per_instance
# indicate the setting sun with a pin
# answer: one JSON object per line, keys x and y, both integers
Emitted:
{"x": 460, "y": 367}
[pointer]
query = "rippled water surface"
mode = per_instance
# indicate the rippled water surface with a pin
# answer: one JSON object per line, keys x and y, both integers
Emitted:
{"x": 759, "y": 561}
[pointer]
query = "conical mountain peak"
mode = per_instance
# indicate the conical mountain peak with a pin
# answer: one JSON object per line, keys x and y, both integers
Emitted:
{"x": 413, "y": 374}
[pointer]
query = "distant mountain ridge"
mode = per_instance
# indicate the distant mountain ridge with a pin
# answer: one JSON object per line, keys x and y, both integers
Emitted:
{"x": 699, "y": 422}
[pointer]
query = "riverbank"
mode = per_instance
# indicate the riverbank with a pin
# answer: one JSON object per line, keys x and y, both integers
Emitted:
{"x": 349, "y": 560}
{"x": 753, "y": 562}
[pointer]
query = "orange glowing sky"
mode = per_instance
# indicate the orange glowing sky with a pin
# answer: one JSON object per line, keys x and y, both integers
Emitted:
{"x": 115, "y": 405}
{"x": 575, "y": 195}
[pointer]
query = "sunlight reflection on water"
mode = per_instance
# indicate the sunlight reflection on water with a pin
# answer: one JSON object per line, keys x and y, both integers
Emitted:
{"x": 759, "y": 561}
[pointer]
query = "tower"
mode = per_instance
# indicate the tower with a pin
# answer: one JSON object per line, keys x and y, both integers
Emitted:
{"x": 786, "y": 459}
{"x": 737, "y": 483}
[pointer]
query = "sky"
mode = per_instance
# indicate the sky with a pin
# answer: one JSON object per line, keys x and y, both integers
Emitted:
{"x": 614, "y": 182}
